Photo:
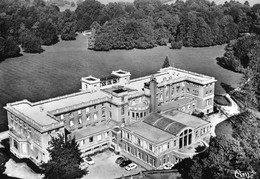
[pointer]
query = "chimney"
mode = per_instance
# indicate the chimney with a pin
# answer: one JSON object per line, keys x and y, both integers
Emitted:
{"x": 153, "y": 91}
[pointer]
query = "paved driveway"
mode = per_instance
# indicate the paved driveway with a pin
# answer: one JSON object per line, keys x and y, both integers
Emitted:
{"x": 106, "y": 168}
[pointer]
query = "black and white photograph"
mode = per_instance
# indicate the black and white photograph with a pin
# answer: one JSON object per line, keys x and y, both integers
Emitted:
{"x": 129, "y": 89}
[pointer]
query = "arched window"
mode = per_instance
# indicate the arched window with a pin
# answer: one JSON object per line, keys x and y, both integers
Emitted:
{"x": 185, "y": 138}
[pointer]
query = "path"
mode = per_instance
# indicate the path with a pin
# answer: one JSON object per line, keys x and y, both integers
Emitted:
{"x": 226, "y": 112}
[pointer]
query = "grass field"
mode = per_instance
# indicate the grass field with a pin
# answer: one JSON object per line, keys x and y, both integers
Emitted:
{"x": 57, "y": 71}
{"x": 225, "y": 129}
{"x": 222, "y": 100}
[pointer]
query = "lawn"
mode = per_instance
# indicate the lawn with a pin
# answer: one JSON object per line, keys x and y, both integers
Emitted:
{"x": 225, "y": 129}
{"x": 222, "y": 100}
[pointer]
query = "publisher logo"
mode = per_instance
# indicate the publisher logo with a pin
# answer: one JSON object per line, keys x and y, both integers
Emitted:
{"x": 244, "y": 174}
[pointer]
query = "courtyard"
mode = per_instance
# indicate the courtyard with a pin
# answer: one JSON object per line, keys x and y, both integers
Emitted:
{"x": 105, "y": 167}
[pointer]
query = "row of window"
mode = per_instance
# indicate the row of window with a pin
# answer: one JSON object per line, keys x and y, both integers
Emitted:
{"x": 208, "y": 92}
{"x": 209, "y": 102}
{"x": 188, "y": 107}
{"x": 139, "y": 154}
{"x": 202, "y": 131}
{"x": 138, "y": 115}
{"x": 94, "y": 138}
{"x": 87, "y": 118}
{"x": 25, "y": 130}
{"x": 138, "y": 141}
{"x": 80, "y": 111}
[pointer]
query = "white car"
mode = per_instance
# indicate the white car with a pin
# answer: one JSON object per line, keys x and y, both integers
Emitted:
{"x": 167, "y": 166}
{"x": 83, "y": 166}
{"x": 89, "y": 161}
{"x": 131, "y": 166}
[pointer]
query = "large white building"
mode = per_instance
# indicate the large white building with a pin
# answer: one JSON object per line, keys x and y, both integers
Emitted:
{"x": 147, "y": 118}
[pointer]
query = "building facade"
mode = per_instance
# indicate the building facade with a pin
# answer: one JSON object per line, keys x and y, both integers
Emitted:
{"x": 111, "y": 112}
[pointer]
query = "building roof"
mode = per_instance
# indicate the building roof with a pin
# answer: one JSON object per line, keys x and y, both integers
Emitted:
{"x": 185, "y": 119}
{"x": 149, "y": 132}
{"x": 171, "y": 75}
{"x": 164, "y": 123}
{"x": 117, "y": 89}
{"x": 177, "y": 103}
{"x": 39, "y": 111}
{"x": 90, "y": 130}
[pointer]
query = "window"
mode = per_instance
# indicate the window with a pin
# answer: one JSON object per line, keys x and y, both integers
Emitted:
{"x": 123, "y": 110}
{"x": 88, "y": 118}
{"x": 168, "y": 145}
{"x": 95, "y": 116}
{"x": 71, "y": 115}
{"x": 138, "y": 141}
{"x": 174, "y": 142}
{"x": 91, "y": 139}
{"x": 87, "y": 110}
{"x": 106, "y": 134}
{"x": 16, "y": 144}
{"x": 62, "y": 116}
{"x": 144, "y": 114}
{"x": 122, "y": 99}
{"x": 127, "y": 135}
{"x": 95, "y": 107}
{"x": 79, "y": 112}
{"x": 150, "y": 147}
{"x": 188, "y": 106}
{"x": 188, "y": 89}
{"x": 110, "y": 114}
{"x": 71, "y": 123}
{"x": 103, "y": 113}
{"x": 80, "y": 120}
{"x": 197, "y": 134}
{"x": 99, "y": 137}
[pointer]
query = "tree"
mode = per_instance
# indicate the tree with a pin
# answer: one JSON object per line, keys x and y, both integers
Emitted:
{"x": 166, "y": 63}
{"x": 30, "y": 43}
{"x": 65, "y": 159}
{"x": 47, "y": 31}
{"x": 227, "y": 153}
{"x": 11, "y": 48}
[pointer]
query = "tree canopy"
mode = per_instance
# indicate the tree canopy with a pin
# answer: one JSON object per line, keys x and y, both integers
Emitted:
{"x": 65, "y": 159}
{"x": 225, "y": 154}
{"x": 166, "y": 62}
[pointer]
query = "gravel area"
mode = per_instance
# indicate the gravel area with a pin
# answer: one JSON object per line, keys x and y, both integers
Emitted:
{"x": 106, "y": 168}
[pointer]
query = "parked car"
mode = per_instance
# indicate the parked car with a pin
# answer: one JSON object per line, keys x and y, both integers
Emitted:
{"x": 125, "y": 163}
{"x": 119, "y": 160}
{"x": 131, "y": 166}
{"x": 89, "y": 161}
{"x": 167, "y": 166}
{"x": 83, "y": 166}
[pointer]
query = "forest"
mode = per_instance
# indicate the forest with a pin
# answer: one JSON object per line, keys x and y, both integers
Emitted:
{"x": 142, "y": 24}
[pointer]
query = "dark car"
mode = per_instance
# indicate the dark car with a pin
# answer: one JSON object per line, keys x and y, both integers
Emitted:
{"x": 119, "y": 160}
{"x": 125, "y": 163}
